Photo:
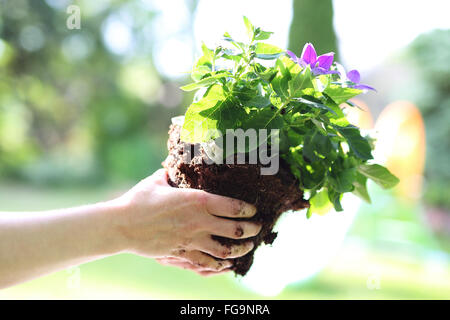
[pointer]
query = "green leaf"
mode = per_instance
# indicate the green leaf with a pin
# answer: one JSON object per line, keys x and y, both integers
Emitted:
{"x": 335, "y": 199}
{"x": 358, "y": 144}
{"x": 263, "y": 35}
{"x": 308, "y": 150}
{"x": 264, "y": 118}
{"x": 234, "y": 56}
{"x": 258, "y": 101}
{"x": 339, "y": 117}
{"x": 319, "y": 126}
{"x": 267, "y": 51}
{"x": 283, "y": 69}
{"x": 199, "y": 72}
{"x": 310, "y": 101}
{"x": 299, "y": 82}
{"x": 323, "y": 144}
{"x": 203, "y": 65}
{"x": 361, "y": 187}
{"x": 315, "y": 142}
{"x": 205, "y": 82}
{"x": 209, "y": 118}
{"x": 281, "y": 86}
{"x": 319, "y": 203}
{"x": 379, "y": 174}
{"x": 268, "y": 75}
{"x": 321, "y": 82}
{"x": 340, "y": 120}
{"x": 313, "y": 174}
{"x": 342, "y": 180}
{"x": 227, "y": 36}
{"x": 244, "y": 92}
{"x": 340, "y": 94}
{"x": 207, "y": 53}
{"x": 250, "y": 96}
{"x": 237, "y": 44}
{"x": 290, "y": 65}
{"x": 250, "y": 28}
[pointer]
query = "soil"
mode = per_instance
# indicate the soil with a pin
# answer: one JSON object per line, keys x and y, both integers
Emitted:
{"x": 271, "y": 194}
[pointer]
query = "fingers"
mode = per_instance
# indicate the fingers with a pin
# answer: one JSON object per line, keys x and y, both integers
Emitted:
{"x": 207, "y": 244}
{"x": 212, "y": 273}
{"x": 228, "y": 207}
{"x": 184, "y": 264}
{"x": 175, "y": 262}
{"x": 180, "y": 263}
{"x": 203, "y": 261}
{"x": 233, "y": 229}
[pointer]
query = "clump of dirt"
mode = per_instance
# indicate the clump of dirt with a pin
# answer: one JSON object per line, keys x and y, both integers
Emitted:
{"x": 271, "y": 194}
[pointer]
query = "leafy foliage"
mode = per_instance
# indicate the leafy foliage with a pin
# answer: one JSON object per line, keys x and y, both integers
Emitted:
{"x": 328, "y": 155}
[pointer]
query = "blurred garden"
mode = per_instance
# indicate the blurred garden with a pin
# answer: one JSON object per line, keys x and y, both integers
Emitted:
{"x": 84, "y": 115}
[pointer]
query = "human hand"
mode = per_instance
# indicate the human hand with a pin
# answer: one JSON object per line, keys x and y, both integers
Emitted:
{"x": 174, "y": 225}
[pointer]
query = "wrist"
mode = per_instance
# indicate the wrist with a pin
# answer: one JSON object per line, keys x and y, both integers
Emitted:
{"x": 113, "y": 217}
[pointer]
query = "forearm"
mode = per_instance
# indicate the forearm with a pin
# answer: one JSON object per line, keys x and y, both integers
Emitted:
{"x": 152, "y": 219}
{"x": 37, "y": 243}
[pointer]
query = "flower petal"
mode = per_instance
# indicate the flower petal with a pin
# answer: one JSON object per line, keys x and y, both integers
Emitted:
{"x": 326, "y": 60}
{"x": 354, "y": 76}
{"x": 363, "y": 87}
{"x": 319, "y": 70}
{"x": 309, "y": 54}
{"x": 292, "y": 55}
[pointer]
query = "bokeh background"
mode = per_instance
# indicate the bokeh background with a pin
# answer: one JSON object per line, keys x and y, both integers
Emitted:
{"x": 84, "y": 114}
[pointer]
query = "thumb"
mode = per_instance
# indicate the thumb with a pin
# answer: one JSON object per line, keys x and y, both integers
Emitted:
{"x": 160, "y": 176}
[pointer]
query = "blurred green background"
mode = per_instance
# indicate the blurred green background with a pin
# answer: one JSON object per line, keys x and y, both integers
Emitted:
{"x": 84, "y": 114}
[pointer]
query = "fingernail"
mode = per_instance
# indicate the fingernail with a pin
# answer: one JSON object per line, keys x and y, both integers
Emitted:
{"x": 247, "y": 209}
{"x": 227, "y": 264}
{"x": 258, "y": 225}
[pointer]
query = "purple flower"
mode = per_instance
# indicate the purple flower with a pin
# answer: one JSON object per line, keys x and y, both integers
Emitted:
{"x": 355, "y": 77}
{"x": 319, "y": 65}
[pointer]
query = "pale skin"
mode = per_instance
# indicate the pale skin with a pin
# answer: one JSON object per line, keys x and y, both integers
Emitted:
{"x": 173, "y": 226}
